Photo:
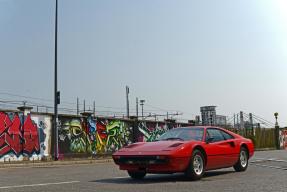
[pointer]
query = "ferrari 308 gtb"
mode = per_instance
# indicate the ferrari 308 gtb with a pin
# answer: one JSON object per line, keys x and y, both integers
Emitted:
{"x": 191, "y": 150}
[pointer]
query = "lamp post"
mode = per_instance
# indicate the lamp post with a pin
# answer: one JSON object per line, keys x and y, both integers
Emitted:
{"x": 277, "y": 131}
{"x": 56, "y": 92}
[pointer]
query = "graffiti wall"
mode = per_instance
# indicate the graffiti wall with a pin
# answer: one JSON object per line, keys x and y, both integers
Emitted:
{"x": 150, "y": 131}
{"x": 92, "y": 136}
{"x": 44, "y": 125}
{"x": 20, "y": 138}
{"x": 112, "y": 135}
{"x": 30, "y": 137}
{"x": 73, "y": 136}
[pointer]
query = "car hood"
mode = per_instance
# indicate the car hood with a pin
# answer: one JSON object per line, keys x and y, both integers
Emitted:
{"x": 154, "y": 146}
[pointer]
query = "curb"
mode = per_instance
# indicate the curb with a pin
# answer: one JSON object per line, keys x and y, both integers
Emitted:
{"x": 266, "y": 149}
{"x": 54, "y": 163}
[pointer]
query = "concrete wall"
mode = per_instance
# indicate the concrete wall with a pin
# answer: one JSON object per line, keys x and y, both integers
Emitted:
{"x": 91, "y": 136}
{"x": 30, "y": 137}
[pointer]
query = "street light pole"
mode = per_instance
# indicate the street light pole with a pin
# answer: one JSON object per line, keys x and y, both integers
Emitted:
{"x": 277, "y": 142}
{"x": 56, "y": 93}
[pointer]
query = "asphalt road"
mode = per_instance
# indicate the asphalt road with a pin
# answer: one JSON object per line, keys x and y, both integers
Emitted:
{"x": 266, "y": 172}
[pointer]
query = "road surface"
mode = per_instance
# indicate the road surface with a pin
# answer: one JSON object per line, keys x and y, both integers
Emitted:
{"x": 266, "y": 172}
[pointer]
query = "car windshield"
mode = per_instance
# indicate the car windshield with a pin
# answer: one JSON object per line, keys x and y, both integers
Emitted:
{"x": 184, "y": 134}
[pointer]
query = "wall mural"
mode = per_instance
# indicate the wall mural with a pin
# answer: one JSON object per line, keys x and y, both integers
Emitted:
{"x": 19, "y": 137}
{"x": 73, "y": 136}
{"x": 151, "y": 131}
{"x": 29, "y": 137}
{"x": 44, "y": 129}
{"x": 95, "y": 136}
{"x": 118, "y": 135}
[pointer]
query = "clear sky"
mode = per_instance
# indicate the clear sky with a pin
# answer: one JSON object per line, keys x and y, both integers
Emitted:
{"x": 177, "y": 55}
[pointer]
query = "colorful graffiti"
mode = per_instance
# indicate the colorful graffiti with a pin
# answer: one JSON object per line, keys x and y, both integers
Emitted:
{"x": 92, "y": 132}
{"x": 151, "y": 131}
{"x": 88, "y": 135}
{"x": 73, "y": 136}
{"x": 44, "y": 129}
{"x": 118, "y": 135}
{"x": 18, "y": 137}
{"x": 108, "y": 136}
{"x": 29, "y": 137}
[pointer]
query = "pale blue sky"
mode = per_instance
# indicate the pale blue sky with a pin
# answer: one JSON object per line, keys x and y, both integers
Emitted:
{"x": 177, "y": 55}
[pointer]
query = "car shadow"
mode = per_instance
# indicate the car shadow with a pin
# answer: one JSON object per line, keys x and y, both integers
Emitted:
{"x": 160, "y": 178}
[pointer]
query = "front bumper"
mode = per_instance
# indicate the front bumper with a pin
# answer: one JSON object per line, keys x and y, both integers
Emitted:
{"x": 152, "y": 163}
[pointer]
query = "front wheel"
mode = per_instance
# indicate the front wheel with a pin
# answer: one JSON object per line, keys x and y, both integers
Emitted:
{"x": 242, "y": 162}
{"x": 137, "y": 174}
{"x": 196, "y": 166}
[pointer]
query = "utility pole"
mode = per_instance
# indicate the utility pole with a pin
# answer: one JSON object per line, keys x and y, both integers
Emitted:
{"x": 237, "y": 121}
{"x": 137, "y": 107}
{"x": 77, "y": 105}
{"x": 142, "y": 104}
{"x": 241, "y": 122}
{"x": 56, "y": 92}
{"x": 84, "y": 105}
{"x": 94, "y": 108}
{"x": 127, "y": 97}
{"x": 234, "y": 120}
{"x": 251, "y": 123}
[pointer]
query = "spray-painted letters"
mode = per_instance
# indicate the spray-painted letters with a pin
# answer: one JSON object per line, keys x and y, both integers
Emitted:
{"x": 18, "y": 136}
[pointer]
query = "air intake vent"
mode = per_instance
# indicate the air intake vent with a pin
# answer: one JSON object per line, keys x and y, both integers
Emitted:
{"x": 175, "y": 144}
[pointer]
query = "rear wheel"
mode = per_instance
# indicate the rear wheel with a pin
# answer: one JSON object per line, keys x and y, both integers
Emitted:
{"x": 242, "y": 162}
{"x": 196, "y": 166}
{"x": 137, "y": 174}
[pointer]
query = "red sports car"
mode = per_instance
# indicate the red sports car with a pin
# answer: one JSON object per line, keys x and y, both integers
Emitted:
{"x": 192, "y": 150}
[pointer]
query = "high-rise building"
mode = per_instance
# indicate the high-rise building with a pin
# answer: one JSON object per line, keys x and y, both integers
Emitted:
{"x": 208, "y": 115}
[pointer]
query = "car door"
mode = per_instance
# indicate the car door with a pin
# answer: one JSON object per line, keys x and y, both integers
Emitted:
{"x": 218, "y": 149}
{"x": 232, "y": 156}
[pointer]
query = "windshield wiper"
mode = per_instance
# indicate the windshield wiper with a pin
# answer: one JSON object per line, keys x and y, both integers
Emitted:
{"x": 173, "y": 138}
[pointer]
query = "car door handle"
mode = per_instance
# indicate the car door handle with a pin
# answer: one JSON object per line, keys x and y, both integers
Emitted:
{"x": 231, "y": 143}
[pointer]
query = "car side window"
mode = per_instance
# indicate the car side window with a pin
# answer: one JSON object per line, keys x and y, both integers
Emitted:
{"x": 226, "y": 136}
{"x": 215, "y": 134}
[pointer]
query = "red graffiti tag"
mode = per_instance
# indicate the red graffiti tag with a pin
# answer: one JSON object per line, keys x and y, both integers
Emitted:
{"x": 31, "y": 139}
{"x": 101, "y": 129}
{"x": 16, "y": 138}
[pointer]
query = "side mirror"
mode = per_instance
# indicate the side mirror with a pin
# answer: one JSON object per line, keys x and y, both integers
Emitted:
{"x": 209, "y": 140}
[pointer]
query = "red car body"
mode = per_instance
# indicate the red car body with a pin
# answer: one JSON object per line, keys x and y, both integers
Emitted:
{"x": 174, "y": 155}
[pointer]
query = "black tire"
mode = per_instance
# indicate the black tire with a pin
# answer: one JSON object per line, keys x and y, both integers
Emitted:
{"x": 196, "y": 170}
{"x": 137, "y": 174}
{"x": 242, "y": 162}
